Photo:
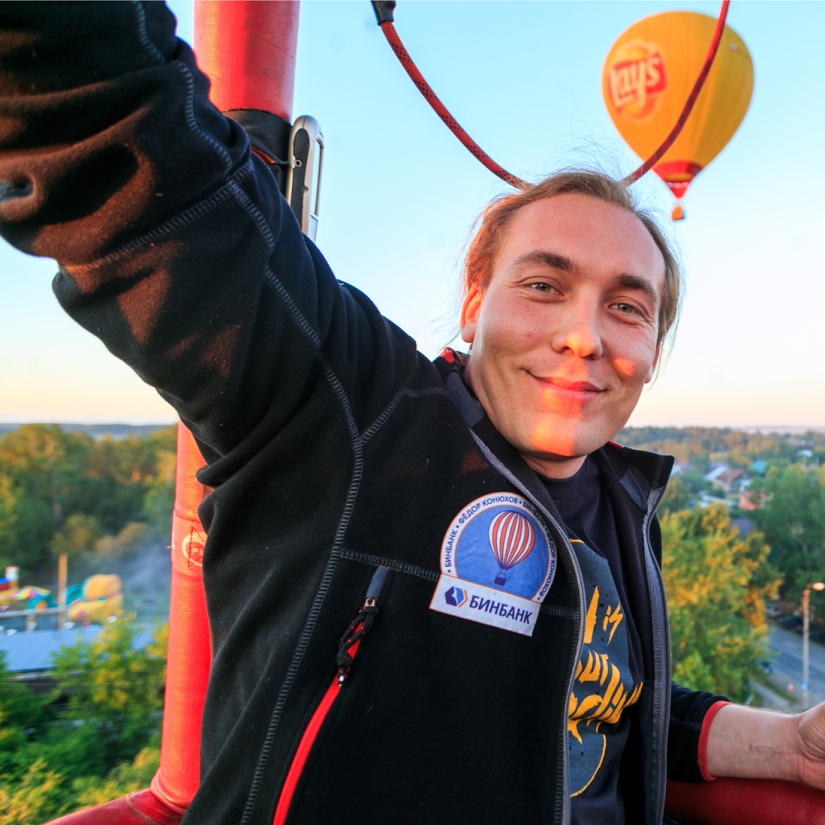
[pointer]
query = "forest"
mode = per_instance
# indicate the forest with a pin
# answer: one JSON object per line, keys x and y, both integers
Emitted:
{"x": 106, "y": 502}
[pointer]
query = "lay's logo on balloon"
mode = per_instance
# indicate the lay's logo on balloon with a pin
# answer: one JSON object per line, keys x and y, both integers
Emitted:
{"x": 636, "y": 79}
{"x": 648, "y": 76}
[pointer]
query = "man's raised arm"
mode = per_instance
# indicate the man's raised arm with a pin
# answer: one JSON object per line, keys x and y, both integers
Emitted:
{"x": 175, "y": 247}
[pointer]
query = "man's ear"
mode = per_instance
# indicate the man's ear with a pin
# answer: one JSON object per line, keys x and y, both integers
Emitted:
{"x": 652, "y": 370}
{"x": 470, "y": 308}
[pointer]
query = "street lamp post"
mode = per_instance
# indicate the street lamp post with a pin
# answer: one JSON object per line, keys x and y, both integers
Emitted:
{"x": 806, "y": 624}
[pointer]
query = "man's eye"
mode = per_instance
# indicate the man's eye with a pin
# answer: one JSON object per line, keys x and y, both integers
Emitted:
{"x": 628, "y": 309}
{"x": 541, "y": 286}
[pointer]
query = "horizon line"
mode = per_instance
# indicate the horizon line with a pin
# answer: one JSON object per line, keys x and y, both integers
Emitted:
{"x": 165, "y": 422}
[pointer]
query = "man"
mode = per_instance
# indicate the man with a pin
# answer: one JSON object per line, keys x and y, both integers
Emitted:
{"x": 433, "y": 589}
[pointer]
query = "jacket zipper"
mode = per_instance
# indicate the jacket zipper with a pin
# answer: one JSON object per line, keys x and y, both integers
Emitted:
{"x": 576, "y": 653}
{"x": 347, "y": 651}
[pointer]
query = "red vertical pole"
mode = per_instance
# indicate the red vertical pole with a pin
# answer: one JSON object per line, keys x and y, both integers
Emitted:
{"x": 248, "y": 49}
{"x": 190, "y": 651}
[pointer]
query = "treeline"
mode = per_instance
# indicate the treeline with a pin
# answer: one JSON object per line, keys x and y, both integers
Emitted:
{"x": 699, "y": 446}
{"x": 91, "y": 497}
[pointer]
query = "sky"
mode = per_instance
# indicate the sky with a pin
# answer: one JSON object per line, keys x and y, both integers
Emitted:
{"x": 400, "y": 195}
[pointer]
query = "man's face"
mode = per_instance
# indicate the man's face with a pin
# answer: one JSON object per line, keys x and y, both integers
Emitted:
{"x": 565, "y": 335}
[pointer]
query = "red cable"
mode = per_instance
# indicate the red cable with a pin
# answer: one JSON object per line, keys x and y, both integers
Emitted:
{"x": 441, "y": 110}
{"x": 689, "y": 103}
{"x": 452, "y": 124}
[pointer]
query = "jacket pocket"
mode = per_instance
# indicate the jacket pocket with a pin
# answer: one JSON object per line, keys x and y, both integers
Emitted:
{"x": 347, "y": 651}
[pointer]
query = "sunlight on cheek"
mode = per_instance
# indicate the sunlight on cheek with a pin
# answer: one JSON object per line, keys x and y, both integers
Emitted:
{"x": 625, "y": 367}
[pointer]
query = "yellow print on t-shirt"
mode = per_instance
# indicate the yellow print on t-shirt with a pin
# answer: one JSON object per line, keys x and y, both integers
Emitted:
{"x": 602, "y": 692}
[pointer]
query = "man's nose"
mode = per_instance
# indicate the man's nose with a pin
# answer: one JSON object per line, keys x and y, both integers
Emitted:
{"x": 580, "y": 335}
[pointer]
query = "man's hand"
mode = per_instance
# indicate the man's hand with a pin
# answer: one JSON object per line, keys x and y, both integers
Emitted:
{"x": 751, "y": 743}
{"x": 811, "y": 745}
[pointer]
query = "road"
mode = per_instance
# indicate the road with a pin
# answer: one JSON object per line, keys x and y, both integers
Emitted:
{"x": 787, "y": 664}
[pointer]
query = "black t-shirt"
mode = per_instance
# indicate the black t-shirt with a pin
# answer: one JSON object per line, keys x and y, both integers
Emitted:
{"x": 610, "y": 673}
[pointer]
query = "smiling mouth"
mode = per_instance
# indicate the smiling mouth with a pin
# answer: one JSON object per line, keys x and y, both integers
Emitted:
{"x": 581, "y": 390}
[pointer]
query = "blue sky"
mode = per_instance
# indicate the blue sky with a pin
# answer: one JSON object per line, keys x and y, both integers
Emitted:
{"x": 400, "y": 195}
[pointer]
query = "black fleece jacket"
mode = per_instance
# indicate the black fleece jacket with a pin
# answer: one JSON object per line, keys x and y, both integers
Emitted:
{"x": 333, "y": 448}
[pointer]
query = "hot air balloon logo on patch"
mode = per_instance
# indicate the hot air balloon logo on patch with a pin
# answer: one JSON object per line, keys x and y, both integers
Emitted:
{"x": 512, "y": 539}
{"x": 636, "y": 78}
{"x": 499, "y": 555}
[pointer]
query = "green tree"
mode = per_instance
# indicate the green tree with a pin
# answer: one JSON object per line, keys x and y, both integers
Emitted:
{"x": 126, "y": 543}
{"x": 9, "y": 505}
{"x": 94, "y": 739}
{"x": 26, "y": 527}
{"x": 717, "y": 583}
{"x": 37, "y": 797}
{"x": 43, "y": 794}
{"x": 683, "y": 490}
{"x": 677, "y": 497}
{"x": 160, "y": 486}
{"x": 157, "y": 505}
{"x": 113, "y": 690}
{"x": 77, "y": 537}
{"x": 792, "y": 518}
{"x": 127, "y": 777}
{"x": 22, "y": 716}
{"x": 54, "y": 484}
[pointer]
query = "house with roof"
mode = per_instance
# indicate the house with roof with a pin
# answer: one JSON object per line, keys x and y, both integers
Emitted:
{"x": 28, "y": 655}
{"x": 731, "y": 480}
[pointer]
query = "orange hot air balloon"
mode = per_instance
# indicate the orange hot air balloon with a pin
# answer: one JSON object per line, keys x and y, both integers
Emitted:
{"x": 647, "y": 77}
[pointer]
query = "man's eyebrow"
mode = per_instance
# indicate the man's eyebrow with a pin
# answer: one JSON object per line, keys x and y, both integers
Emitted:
{"x": 545, "y": 258}
{"x": 626, "y": 281}
{"x": 565, "y": 264}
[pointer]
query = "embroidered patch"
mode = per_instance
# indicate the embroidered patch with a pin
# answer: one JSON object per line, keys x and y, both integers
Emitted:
{"x": 497, "y": 564}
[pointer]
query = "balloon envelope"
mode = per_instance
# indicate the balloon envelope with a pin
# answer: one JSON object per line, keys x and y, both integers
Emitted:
{"x": 647, "y": 78}
{"x": 512, "y": 538}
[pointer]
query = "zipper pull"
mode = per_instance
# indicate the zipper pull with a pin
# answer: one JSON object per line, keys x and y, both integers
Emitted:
{"x": 360, "y": 625}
